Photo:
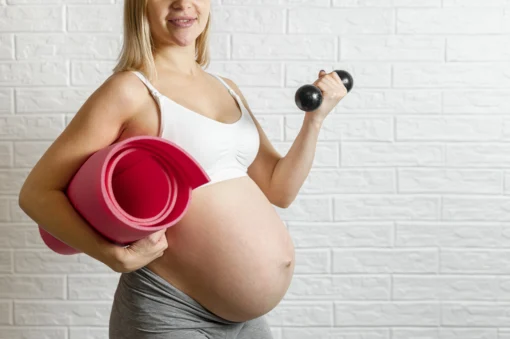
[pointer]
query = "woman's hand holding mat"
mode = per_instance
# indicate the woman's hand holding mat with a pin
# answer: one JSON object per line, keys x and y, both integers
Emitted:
{"x": 138, "y": 254}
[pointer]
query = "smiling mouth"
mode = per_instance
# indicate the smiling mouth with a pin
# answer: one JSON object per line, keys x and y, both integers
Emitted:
{"x": 182, "y": 22}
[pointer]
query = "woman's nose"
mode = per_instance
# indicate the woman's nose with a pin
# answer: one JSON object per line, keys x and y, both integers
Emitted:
{"x": 182, "y": 3}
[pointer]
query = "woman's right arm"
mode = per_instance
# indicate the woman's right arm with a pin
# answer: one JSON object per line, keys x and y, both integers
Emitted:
{"x": 97, "y": 124}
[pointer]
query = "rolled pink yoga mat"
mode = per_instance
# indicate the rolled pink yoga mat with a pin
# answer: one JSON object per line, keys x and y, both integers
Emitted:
{"x": 131, "y": 189}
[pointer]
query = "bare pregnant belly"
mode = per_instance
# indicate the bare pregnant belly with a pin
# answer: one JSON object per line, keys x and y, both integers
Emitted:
{"x": 230, "y": 252}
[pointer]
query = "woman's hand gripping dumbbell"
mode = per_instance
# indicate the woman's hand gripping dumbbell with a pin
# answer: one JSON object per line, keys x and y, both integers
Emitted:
{"x": 324, "y": 94}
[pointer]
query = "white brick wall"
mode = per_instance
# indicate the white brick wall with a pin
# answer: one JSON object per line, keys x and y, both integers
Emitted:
{"x": 402, "y": 227}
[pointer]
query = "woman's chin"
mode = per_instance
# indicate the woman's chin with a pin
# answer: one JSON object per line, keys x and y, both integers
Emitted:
{"x": 183, "y": 41}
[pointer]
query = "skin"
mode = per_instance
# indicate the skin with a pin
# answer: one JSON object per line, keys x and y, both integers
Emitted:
{"x": 231, "y": 252}
{"x": 243, "y": 257}
{"x": 236, "y": 235}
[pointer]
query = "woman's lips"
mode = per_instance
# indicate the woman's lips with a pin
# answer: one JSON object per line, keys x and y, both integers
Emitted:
{"x": 180, "y": 23}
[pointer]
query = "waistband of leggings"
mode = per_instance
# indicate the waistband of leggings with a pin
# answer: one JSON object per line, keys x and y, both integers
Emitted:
{"x": 150, "y": 283}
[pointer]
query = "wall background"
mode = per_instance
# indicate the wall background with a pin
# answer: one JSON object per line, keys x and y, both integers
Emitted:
{"x": 402, "y": 228}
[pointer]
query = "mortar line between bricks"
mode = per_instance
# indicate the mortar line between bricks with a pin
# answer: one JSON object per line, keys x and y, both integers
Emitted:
{"x": 11, "y": 315}
{"x": 59, "y": 327}
{"x": 395, "y": 21}
{"x": 338, "y": 164}
{"x": 394, "y": 125}
{"x": 386, "y": 326}
{"x": 445, "y": 50}
{"x": 441, "y": 204}
{"x": 394, "y": 235}
{"x": 337, "y": 49}
{"x": 397, "y": 177}
{"x": 332, "y": 202}
{"x": 333, "y": 315}
{"x": 230, "y": 47}
{"x": 440, "y": 322}
{"x": 439, "y": 266}
{"x": 47, "y": 327}
{"x": 13, "y": 268}
{"x": 286, "y": 28}
{"x": 69, "y": 70}
{"x": 64, "y": 18}
{"x": 331, "y": 263}
{"x": 66, "y": 287}
{"x": 15, "y": 47}
{"x": 392, "y": 284}
{"x": 283, "y": 84}
{"x": 14, "y": 106}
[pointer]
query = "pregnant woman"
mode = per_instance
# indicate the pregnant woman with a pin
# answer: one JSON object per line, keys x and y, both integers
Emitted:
{"x": 229, "y": 260}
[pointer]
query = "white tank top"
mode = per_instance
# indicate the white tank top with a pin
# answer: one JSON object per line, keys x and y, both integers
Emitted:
{"x": 225, "y": 151}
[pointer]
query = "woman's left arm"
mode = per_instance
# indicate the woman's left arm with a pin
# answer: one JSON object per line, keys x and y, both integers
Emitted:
{"x": 280, "y": 178}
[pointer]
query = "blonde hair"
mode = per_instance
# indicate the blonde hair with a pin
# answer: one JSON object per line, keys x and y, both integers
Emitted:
{"x": 138, "y": 47}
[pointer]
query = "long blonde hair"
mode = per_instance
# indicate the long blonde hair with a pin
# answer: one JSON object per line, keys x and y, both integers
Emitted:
{"x": 137, "y": 49}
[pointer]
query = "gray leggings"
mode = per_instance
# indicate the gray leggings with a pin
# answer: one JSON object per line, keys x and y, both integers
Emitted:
{"x": 146, "y": 306}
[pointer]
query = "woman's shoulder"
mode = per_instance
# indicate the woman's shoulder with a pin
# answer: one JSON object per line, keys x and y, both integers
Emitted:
{"x": 118, "y": 96}
{"x": 124, "y": 87}
{"x": 124, "y": 83}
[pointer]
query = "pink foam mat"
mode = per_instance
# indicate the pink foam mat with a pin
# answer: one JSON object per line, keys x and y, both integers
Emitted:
{"x": 131, "y": 189}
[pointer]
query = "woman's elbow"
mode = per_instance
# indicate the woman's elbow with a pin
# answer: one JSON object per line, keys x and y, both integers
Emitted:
{"x": 27, "y": 195}
{"x": 283, "y": 202}
{"x": 23, "y": 196}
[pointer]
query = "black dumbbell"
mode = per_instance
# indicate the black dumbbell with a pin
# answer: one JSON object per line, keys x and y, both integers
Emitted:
{"x": 309, "y": 97}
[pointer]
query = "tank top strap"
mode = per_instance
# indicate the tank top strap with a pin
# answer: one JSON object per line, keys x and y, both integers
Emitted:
{"x": 231, "y": 91}
{"x": 151, "y": 88}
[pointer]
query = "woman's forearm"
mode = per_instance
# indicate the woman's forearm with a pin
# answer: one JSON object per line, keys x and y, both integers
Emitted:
{"x": 55, "y": 214}
{"x": 292, "y": 170}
